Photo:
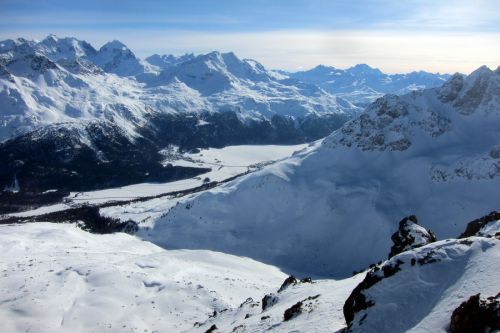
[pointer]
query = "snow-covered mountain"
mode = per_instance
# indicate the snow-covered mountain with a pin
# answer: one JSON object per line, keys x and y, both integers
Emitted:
{"x": 362, "y": 84}
{"x": 168, "y": 60}
{"x": 246, "y": 87}
{"x": 433, "y": 153}
{"x": 65, "y": 79}
{"x": 60, "y": 84}
{"x": 210, "y": 100}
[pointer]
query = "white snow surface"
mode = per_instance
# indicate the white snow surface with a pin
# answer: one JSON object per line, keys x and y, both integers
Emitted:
{"x": 363, "y": 84}
{"x": 224, "y": 163}
{"x": 421, "y": 298}
{"x": 320, "y": 210}
{"x": 67, "y": 80}
{"x": 324, "y": 315}
{"x": 58, "y": 278}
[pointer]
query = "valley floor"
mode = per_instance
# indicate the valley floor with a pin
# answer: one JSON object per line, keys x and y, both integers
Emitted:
{"x": 225, "y": 163}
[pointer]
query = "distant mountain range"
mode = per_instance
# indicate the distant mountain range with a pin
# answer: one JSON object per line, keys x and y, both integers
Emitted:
{"x": 65, "y": 89}
{"x": 362, "y": 84}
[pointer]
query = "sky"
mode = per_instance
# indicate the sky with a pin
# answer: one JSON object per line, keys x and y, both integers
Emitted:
{"x": 395, "y": 36}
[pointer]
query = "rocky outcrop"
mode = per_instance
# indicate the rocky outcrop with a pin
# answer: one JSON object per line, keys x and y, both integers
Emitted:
{"x": 477, "y": 315}
{"x": 409, "y": 279}
{"x": 358, "y": 301}
{"x": 212, "y": 329}
{"x": 410, "y": 235}
{"x": 306, "y": 305}
{"x": 291, "y": 280}
{"x": 268, "y": 301}
{"x": 477, "y": 227}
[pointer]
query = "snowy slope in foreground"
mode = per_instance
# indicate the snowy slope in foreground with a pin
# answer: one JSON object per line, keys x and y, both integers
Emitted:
{"x": 332, "y": 210}
{"x": 56, "y": 277}
{"x": 416, "y": 291}
{"x": 59, "y": 278}
{"x": 321, "y": 313}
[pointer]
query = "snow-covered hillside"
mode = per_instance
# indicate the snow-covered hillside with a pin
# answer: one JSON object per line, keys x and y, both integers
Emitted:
{"x": 56, "y": 94}
{"x": 56, "y": 277}
{"x": 362, "y": 84}
{"x": 332, "y": 210}
{"x": 416, "y": 291}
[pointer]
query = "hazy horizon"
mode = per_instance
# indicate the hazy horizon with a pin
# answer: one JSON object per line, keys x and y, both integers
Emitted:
{"x": 445, "y": 36}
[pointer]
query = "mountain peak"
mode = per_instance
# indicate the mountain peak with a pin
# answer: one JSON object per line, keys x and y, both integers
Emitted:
{"x": 165, "y": 61}
{"x": 51, "y": 37}
{"x": 364, "y": 69}
{"x": 481, "y": 71}
{"x": 114, "y": 45}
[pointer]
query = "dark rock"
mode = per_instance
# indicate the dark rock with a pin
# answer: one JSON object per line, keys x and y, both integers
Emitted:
{"x": 303, "y": 306}
{"x": 249, "y": 302}
{"x": 291, "y": 280}
{"x": 474, "y": 227}
{"x": 212, "y": 328}
{"x": 410, "y": 235}
{"x": 293, "y": 311}
{"x": 268, "y": 301}
{"x": 239, "y": 329}
{"x": 477, "y": 315}
{"x": 357, "y": 301}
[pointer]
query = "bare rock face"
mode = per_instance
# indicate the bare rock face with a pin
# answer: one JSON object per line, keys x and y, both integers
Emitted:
{"x": 477, "y": 315}
{"x": 291, "y": 280}
{"x": 479, "y": 226}
{"x": 358, "y": 301}
{"x": 304, "y": 306}
{"x": 410, "y": 235}
{"x": 268, "y": 301}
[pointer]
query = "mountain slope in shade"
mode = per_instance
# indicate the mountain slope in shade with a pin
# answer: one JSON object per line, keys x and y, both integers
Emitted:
{"x": 320, "y": 211}
{"x": 362, "y": 84}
